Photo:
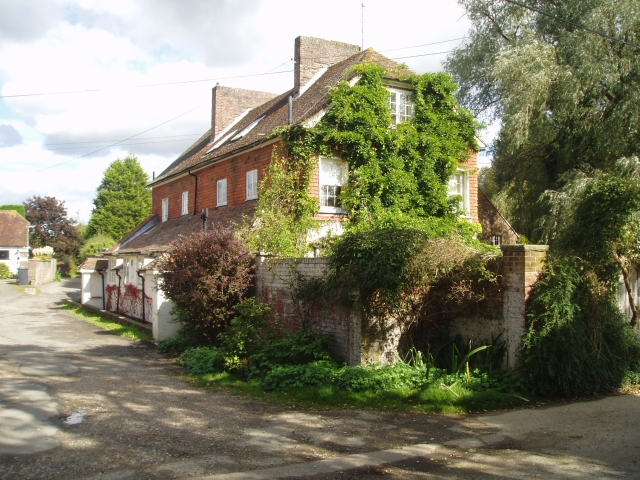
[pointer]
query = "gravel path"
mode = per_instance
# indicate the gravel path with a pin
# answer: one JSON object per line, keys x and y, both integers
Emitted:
{"x": 79, "y": 403}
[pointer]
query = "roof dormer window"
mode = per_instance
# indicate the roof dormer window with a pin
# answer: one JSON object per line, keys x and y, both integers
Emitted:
{"x": 401, "y": 105}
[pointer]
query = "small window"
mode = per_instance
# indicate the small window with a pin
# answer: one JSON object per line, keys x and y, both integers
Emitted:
{"x": 165, "y": 209}
{"x": 185, "y": 203}
{"x": 252, "y": 185}
{"x": 4, "y": 254}
{"x": 459, "y": 186}
{"x": 401, "y": 105}
{"x": 333, "y": 176}
{"x": 222, "y": 192}
{"x": 496, "y": 240}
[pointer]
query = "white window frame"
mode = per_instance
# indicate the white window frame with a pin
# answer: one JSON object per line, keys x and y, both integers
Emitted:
{"x": 401, "y": 105}
{"x": 495, "y": 240}
{"x": 252, "y": 184}
{"x": 185, "y": 203}
{"x": 327, "y": 180}
{"x": 165, "y": 209}
{"x": 461, "y": 188}
{"x": 221, "y": 192}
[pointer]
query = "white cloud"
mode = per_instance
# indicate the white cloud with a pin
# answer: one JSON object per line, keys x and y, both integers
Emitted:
{"x": 86, "y": 44}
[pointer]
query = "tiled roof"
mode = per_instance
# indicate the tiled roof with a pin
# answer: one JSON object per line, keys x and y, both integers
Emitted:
{"x": 275, "y": 113}
{"x": 160, "y": 235}
{"x": 14, "y": 229}
{"x": 94, "y": 263}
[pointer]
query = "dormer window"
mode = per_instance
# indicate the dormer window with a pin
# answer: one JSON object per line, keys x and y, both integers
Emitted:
{"x": 401, "y": 105}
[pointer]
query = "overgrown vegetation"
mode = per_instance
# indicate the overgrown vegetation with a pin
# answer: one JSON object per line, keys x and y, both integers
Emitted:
{"x": 130, "y": 332}
{"x": 297, "y": 365}
{"x": 93, "y": 246}
{"x": 397, "y": 176}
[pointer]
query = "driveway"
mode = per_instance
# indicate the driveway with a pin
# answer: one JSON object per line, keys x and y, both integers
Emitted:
{"x": 79, "y": 403}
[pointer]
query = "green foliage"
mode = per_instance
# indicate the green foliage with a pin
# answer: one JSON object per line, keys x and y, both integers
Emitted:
{"x": 130, "y": 332}
{"x": 122, "y": 200}
{"x": 567, "y": 98}
{"x": 294, "y": 348}
{"x": 201, "y": 360}
{"x": 578, "y": 342}
{"x": 398, "y": 176}
{"x": 179, "y": 342}
{"x": 249, "y": 332}
{"x": 18, "y": 208}
{"x": 206, "y": 275}
{"x": 94, "y": 245}
{"x": 5, "y": 273}
{"x": 58, "y": 276}
{"x": 313, "y": 374}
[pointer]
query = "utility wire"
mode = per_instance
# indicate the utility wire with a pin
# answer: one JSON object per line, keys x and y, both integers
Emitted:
{"x": 121, "y": 141}
{"x": 99, "y": 141}
{"x": 93, "y": 90}
{"x": 579, "y": 25}
{"x": 270, "y": 72}
{"x": 423, "y": 45}
{"x": 423, "y": 55}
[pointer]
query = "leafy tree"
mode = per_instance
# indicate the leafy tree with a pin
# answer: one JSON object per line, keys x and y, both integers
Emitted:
{"x": 566, "y": 97}
{"x": 122, "y": 200}
{"x": 94, "y": 245}
{"x": 17, "y": 208}
{"x": 206, "y": 275}
{"x": 52, "y": 226}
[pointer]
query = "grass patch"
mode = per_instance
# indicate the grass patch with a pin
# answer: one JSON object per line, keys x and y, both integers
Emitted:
{"x": 431, "y": 399}
{"x": 130, "y": 332}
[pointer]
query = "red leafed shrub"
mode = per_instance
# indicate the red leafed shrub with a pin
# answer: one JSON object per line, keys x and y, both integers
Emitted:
{"x": 206, "y": 275}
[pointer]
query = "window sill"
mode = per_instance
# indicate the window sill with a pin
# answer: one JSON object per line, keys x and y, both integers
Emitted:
{"x": 251, "y": 199}
{"x": 333, "y": 210}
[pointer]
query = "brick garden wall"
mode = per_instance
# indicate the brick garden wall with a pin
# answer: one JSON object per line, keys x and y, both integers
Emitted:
{"x": 352, "y": 340}
{"x": 275, "y": 284}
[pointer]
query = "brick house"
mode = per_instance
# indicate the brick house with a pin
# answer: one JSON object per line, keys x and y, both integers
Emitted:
{"x": 221, "y": 171}
{"x": 14, "y": 240}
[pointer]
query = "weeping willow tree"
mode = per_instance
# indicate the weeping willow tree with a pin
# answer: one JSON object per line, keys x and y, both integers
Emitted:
{"x": 567, "y": 98}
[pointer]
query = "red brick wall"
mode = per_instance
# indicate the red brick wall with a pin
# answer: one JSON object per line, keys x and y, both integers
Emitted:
{"x": 233, "y": 169}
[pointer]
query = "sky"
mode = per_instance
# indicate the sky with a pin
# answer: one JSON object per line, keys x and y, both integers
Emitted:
{"x": 85, "y": 82}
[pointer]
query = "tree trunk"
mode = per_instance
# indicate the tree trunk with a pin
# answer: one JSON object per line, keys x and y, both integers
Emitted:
{"x": 627, "y": 286}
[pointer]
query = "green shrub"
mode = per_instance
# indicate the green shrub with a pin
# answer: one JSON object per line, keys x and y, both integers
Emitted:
{"x": 312, "y": 374}
{"x": 295, "y": 348}
{"x": 177, "y": 344}
{"x": 201, "y": 360}
{"x": 18, "y": 208}
{"x": 578, "y": 342}
{"x": 5, "y": 273}
{"x": 374, "y": 378}
{"x": 248, "y": 333}
{"x": 94, "y": 245}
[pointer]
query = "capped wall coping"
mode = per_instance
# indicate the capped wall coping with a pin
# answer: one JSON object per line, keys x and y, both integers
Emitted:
{"x": 524, "y": 248}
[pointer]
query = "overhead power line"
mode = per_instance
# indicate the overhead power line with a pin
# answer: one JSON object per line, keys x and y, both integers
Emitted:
{"x": 122, "y": 141}
{"x": 95, "y": 90}
{"x": 579, "y": 25}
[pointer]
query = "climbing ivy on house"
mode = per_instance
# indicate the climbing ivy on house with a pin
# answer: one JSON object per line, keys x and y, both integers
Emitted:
{"x": 398, "y": 174}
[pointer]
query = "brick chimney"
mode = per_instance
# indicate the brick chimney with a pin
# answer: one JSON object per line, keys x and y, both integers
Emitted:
{"x": 229, "y": 103}
{"x": 313, "y": 54}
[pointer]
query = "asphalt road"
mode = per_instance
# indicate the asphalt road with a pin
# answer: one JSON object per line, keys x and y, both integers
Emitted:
{"x": 79, "y": 403}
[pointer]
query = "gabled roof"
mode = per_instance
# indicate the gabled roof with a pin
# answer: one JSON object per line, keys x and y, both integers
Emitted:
{"x": 14, "y": 229}
{"x": 94, "y": 263}
{"x": 274, "y": 113}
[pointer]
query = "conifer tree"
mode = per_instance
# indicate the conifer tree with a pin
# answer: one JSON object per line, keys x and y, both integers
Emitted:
{"x": 122, "y": 200}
